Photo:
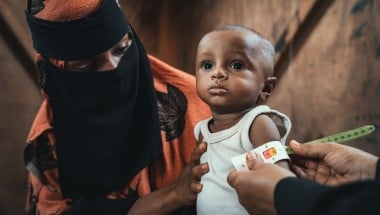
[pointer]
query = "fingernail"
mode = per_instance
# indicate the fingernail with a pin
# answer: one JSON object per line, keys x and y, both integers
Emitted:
{"x": 297, "y": 144}
{"x": 199, "y": 187}
{"x": 202, "y": 145}
{"x": 204, "y": 167}
{"x": 251, "y": 156}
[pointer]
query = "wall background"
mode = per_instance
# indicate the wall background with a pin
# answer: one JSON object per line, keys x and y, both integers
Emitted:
{"x": 328, "y": 64}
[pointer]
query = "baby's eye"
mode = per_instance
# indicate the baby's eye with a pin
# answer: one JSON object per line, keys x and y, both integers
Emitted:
{"x": 236, "y": 65}
{"x": 206, "y": 65}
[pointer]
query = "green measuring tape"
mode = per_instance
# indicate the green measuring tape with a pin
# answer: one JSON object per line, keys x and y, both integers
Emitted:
{"x": 341, "y": 137}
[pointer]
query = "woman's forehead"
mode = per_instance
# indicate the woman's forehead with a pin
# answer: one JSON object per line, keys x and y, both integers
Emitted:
{"x": 79, "y": 38}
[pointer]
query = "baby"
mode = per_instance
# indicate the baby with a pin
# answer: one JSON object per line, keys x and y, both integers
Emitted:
{"x": 234, "y": 74}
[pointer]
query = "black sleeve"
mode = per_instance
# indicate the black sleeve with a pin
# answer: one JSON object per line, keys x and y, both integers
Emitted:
{"x": 377, "y": 177}
{"x": 300, "y": 196}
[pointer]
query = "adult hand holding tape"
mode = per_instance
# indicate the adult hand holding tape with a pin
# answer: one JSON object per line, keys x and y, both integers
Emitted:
{"x": 274, "y": 151}
{"x": 341, "y": 137}
{"x": 270, "y": 189}
{"x": 264, "y": 174}
{"x": 270, "y": 152}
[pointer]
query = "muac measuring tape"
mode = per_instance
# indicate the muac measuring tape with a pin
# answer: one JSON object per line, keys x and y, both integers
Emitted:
{"x": 340, "y": 137}
{"x": 274, "y": 151}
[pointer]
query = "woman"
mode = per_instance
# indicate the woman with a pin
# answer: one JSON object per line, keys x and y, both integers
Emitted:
{"x": 108, "y": 138}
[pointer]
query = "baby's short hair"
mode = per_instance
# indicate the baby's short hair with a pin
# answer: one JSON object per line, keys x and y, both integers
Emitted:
{"x": 265, "y": 46}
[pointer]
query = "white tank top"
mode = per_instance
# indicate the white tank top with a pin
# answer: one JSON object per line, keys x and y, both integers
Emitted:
{"x": 217, "y": 197}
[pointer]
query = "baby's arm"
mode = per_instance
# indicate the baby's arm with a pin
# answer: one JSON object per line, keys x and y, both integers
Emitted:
{"x": 264, "y": 130}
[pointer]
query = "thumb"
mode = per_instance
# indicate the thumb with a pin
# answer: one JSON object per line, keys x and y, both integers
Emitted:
{"x": 253, "y": 160}
{"x": 231, "y": 178}
{"x": 310, "y": 151}
{"x": 300, "y": 149}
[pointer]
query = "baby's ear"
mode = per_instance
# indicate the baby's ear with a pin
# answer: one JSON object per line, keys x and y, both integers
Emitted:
{"x": 268, "y": 88}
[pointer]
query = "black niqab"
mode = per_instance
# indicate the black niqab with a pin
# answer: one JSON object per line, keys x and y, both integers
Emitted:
{"x": 106, "y": 123}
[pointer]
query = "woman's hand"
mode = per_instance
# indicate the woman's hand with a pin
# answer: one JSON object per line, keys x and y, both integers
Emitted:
{"x": 183, "y": 192}
{"x": 188, "y": 183}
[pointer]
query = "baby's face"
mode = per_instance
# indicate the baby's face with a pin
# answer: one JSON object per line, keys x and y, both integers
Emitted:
{"x": 228, "y": 71}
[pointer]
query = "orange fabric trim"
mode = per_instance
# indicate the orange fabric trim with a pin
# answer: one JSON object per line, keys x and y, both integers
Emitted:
{"x": 66, "y": 10}
{"x": 41, "y": 123}
{"x": 176, "y": 153}
{"x": 163, "y": 74}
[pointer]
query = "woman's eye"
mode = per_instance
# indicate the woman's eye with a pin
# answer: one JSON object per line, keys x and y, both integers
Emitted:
{"x": 80, "y": 66}
{"x": 236, "y": 65}
{"x": 120, "y": 51}
{"x": 206, "y": 66}
{"x": 90, "y": 68}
